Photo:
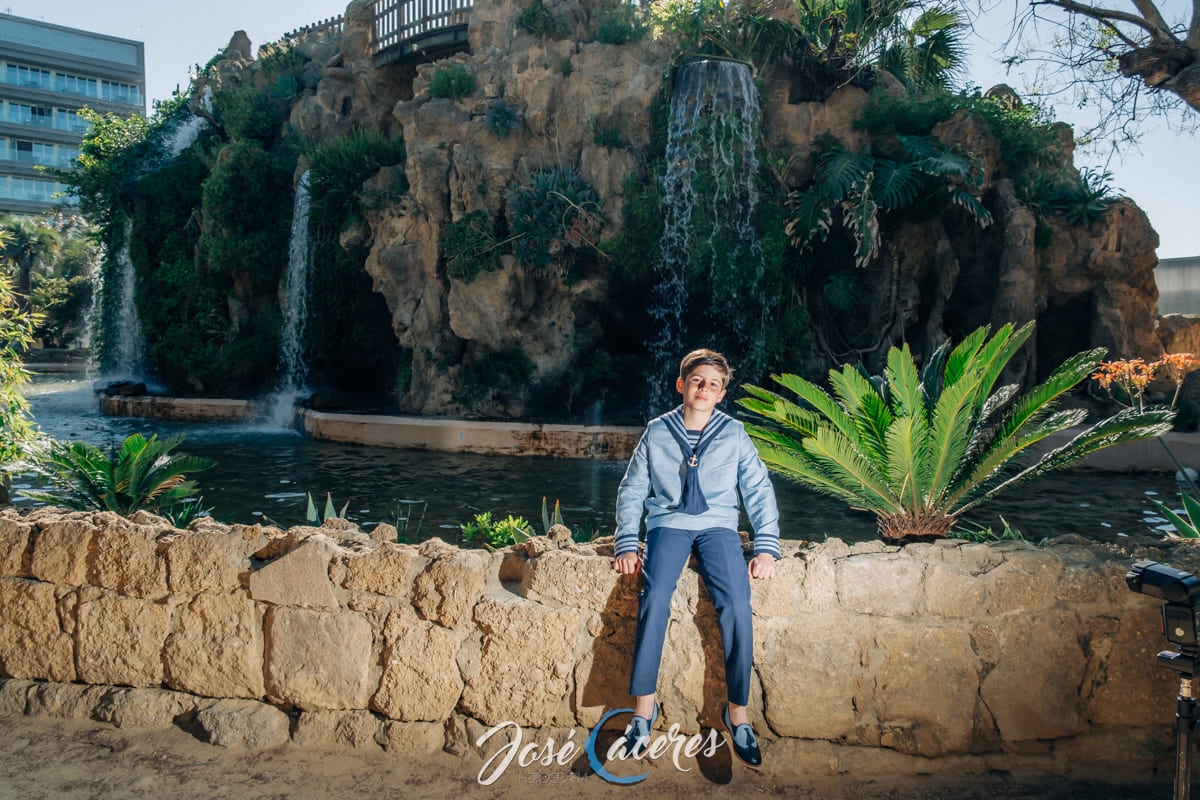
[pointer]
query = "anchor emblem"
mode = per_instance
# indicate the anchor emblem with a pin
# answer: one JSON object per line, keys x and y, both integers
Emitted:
{"x": 693, "y": 461}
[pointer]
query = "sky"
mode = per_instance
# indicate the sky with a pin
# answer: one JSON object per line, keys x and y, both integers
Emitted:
{"x": 180, "y": 35}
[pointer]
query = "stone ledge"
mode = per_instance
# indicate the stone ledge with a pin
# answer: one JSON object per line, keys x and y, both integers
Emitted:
{"x": 927, "y": 659}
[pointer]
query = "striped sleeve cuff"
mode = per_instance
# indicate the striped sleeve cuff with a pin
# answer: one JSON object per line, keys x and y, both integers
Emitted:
{"x": 627, "y": 543}
{"x": 767, "y": 543}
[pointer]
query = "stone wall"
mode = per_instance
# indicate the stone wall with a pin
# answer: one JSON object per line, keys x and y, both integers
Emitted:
{"x": 947, "y": 657}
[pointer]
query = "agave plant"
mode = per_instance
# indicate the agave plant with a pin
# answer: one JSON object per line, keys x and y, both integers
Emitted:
{"x": 919, "y": 448}
{"x": 145, "y": 475}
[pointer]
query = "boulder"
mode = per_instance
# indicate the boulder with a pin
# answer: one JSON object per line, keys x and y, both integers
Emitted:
{"x": 243, "y": 724}
{"x": 32, "y": 642}
{"x": 528, "y": 652}
{"x": 65, "y": 700}
{"x": 421, "y": 679}
{"x": 60, "y": 551}
{"x": 14, "y": 546}
{"x": 152, "y": 709}
{"x": 14, "y": 696}
{"x": 210, "y": 560}
{"x": 448, "y": 588}
{"x": 318, "y": 660}
{"x": 339, "y": 729}
{"x": 119, "y": 640}
{"x": 126, "y": 558}
{"x": 382, "y": 570}
{"x": 215, "y": 648}
{"x": 299, "y": 578}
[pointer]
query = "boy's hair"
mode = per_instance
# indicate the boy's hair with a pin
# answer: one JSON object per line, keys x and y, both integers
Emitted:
{"x": 700, "y": 358}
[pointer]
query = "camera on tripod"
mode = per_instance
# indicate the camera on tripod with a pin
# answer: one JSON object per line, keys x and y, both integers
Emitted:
{"x": 1181, "y": 591}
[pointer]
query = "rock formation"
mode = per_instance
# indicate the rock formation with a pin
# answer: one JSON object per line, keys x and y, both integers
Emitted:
{"x": 944, "y": 657}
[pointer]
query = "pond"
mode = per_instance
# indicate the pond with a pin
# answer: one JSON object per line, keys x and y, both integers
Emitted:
{"x": 264, "y": 474}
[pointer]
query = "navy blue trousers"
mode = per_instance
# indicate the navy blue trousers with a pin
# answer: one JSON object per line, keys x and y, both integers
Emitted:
{"x": 723, "y": 568}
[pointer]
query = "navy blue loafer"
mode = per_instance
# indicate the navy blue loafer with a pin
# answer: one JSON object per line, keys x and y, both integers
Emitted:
{"x": 637, "y": 734}
{"x": 744, "y": 742}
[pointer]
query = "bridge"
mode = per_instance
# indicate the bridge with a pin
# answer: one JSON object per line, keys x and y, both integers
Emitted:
{"x": 406, "y": 30}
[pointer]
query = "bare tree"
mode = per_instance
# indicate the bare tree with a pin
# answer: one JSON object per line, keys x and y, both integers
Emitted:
{"x": 1131, "y": 64}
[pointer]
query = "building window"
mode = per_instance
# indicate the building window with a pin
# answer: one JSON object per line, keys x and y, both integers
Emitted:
{"x": 20, "y": 75}
{"x": 14, "y": 188}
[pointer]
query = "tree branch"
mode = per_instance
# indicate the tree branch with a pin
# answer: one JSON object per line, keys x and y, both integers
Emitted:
{"x": 1152, "y": 15}
{"x": 1108, "y": 15}
{"x": 1193, "y": 37}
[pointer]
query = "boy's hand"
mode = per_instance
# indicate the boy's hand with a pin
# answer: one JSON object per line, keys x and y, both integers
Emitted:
{"x": 627, "y": 564}
{"x": 762, "y": 566}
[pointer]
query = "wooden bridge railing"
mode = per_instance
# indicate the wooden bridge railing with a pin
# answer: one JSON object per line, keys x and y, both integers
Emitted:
{"x": 394, "y": 22}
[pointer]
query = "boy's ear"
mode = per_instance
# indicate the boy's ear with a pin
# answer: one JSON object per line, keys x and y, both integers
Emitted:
{"x": 679, "y": 385}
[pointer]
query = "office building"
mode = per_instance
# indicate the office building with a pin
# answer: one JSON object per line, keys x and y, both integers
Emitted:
{"x": 47, "y": 74}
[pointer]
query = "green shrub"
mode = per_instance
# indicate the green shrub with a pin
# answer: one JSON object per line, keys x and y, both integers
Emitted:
{"x": 606, "y": 133}
{"x": 246, "y": 112}
{"x": 622, "y": 24}
{"x": 452, "y": 81}
{"x": 469, "y": 247}
{"x": 501, "y": 118}
{"x": 552, "y": 218}
{"x": 537, "y": 20}
{"x": 338, "y": 168}
{"x": 493, "y": 534}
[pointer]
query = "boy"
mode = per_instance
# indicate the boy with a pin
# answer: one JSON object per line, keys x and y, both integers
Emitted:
{"x": 686, "y": 471}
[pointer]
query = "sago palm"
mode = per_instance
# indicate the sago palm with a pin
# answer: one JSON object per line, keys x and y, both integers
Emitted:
{"x": 145, "y": 475}
{"x": 919, "y": 448}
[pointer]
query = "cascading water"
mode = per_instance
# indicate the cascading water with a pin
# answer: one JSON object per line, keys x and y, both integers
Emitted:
{"x": 293, "y": 301}
{"x": 126, "y": 348}
{"x": 708, "y": 239}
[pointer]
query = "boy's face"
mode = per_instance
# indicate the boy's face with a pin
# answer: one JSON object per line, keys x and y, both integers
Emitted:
{"x": 703, "y": 388}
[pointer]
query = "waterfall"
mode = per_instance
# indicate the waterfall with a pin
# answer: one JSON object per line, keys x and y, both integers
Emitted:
{"x": 293, "y": 301}
{"x": 708, "y": 238}
{"x": 188, "y": 128}
{"x": 126, "y": 352}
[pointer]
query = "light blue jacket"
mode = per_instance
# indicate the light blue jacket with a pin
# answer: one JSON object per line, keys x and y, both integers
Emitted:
{"x": 653, "y": 482}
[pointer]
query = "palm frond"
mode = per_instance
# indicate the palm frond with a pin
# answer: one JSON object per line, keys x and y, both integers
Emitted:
{"x": 823, "y": 404}
{"x": 846, "y": 465}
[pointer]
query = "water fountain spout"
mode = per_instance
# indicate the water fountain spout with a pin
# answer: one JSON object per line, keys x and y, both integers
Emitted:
{"x": 293, "y": 301}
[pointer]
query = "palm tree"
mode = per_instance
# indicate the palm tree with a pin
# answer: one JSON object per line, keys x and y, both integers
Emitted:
{"x": 145, "y": 475}
{"x": 919, "y": 449}
{"x": 921, "y": 47}
{"x": 26, "y": 243}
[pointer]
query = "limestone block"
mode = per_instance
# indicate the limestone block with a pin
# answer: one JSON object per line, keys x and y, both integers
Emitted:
{"x": 60, "y": 552}
{"x": 528, "y": 653}
{"x": 819, "y": 592}
{"x": 927, "y": 679}
{"x": 1123, "y": 687}
{"x": 14, "y": 696}
{"x": 880, "y": 584}
{"x": 809, "y": 675}
{"x": 800, "y": 758}
{"x": 781, "y": 596}
{"x": 32, "y": 645}
{"x": 582, "y": 582}
{"x": 119, "y": 640}
{"x": 299, "y": 578}
{"x": 973, "y": 558}
{"x": 318, "y": 660}
{"x": 65, "y": 700}
{"x": 212, "y": 560}
{"x": 602, "y": 674}
{"x": 14, "y": 543}
{"x": 1033, "y": 692}
{"x": 1119, "y": 751}
{"x": 950, "y": 592}
{"x": 383, "y": 570}
{"x": 339, "y": 729}
{"x": 414, "y": 738}
{"x": 126, "y": 559}
{"x": 1026, "y": 579}
{"x": 216, "y": 648}
{"x": 243, "y": 724}
{"x": 448, "y": 588}
{"x": 153, "y": 709}
{"x": 421, "y": 680}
